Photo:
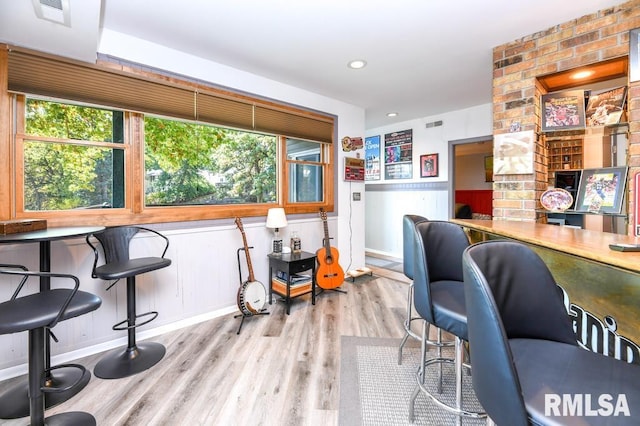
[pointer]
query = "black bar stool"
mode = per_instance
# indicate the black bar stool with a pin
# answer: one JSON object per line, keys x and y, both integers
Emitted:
{"x": 524, "y": 351}
{"x": 409, "y": 222}
{"x": 439, "y": 299}
{"x": 37, "y": 313}
{"x": 115, "y": 241}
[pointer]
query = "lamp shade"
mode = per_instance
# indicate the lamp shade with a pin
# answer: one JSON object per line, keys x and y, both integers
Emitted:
{"x": 276, "y": 218}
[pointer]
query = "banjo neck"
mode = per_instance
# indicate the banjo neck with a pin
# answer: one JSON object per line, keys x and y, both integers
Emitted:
{"x": 246, "y": 249}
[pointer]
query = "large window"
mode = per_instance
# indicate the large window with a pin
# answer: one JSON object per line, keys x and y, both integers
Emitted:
{"x": 193, "y": 164}
{"x": 115, "y": 143}
{"x": 307, "y": 163}
{"x": 77, "y": 157}
{"x": 67, "y": 164}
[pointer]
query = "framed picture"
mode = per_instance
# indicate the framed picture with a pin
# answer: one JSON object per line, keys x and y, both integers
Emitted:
{"x": 563, "y": 110}
{"x": 606, "y": 107}
{"x": 634, "y": 55}
{"x": 429, "y": 165}
{"x": 602, "y": 190}
{"x": 488, "y": 168}
{"x": 513, "y": 153}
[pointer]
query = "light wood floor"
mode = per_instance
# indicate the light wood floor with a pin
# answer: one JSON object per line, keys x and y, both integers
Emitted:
{"x": 280, "y": 370}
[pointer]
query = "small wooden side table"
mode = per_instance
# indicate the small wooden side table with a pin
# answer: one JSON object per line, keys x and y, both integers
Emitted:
{"x": 292, "y": 263}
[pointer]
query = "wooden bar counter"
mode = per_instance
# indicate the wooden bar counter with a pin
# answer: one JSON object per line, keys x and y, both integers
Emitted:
{"x": 601, "y": 286}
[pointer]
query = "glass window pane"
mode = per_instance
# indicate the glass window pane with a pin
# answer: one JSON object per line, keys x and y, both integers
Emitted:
{"x": 66, "y": 121}
{"x": 64, "y": 176}
{"x": 303, "y": 150}
{"x": 196, "y": 164}
{"x": 305, "y": 183}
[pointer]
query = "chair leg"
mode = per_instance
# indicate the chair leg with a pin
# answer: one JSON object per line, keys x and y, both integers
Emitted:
{"x": 407, "y": 322}
{"x": 135, "y": 358}
{"x": 36, "y": 374}
{"x": 36, "y": 383}
{"x": 420, "y": 375}
{"x": 458, "y": 364}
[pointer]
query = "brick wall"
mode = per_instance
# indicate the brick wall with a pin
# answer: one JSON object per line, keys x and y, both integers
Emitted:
{"x": 516, "y": 94}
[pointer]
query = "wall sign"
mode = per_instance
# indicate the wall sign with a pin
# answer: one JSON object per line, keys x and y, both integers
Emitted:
{"x": 398, "y": 155}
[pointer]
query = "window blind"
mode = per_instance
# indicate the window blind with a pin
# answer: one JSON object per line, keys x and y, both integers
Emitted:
{"x": 45, "y": 75}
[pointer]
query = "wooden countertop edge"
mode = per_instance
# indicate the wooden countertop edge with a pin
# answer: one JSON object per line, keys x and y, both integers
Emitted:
{"x": 592, "y": 245}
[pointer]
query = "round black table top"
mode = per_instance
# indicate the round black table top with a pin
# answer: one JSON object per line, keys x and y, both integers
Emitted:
{"x": 50, "y": 234}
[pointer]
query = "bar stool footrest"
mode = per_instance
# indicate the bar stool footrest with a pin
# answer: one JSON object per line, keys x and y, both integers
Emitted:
{"x": 422, "y": 387}
{"x": 126, "y": 362}
{"x": 119, "y": 327}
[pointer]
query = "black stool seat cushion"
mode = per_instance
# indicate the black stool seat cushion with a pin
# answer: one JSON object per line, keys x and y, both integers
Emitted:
{"x": 449, "y": 310}
{"x": 41, "y": 309}
{"x": 548, "y": 367}
{"x": 130, "y": 267}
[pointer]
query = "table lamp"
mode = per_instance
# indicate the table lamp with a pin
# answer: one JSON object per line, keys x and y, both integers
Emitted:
{"x": 276, "y": 219}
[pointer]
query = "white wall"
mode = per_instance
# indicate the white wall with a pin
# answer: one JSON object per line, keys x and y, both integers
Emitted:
{"x": 202, "y": 280}
{"x": 384, "y": 209}
{"x": 470, "y": 172}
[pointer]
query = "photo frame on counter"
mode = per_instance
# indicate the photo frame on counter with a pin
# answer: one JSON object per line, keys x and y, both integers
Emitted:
{"x": 602, "y": 190}
{"x": 429, "y": 165}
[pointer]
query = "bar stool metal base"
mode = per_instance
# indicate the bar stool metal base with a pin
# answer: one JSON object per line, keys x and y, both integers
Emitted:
{"x": 126, "y": 362}
{"x": 14, "y": 402}
{"x": 459, "y": 364}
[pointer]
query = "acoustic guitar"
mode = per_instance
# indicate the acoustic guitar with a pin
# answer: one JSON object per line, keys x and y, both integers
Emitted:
{"x": 329, "y": 275}
{"x": 252, "y": 295}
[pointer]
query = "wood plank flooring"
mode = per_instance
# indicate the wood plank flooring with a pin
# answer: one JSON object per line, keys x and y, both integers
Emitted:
{"x": 281, "y": 369}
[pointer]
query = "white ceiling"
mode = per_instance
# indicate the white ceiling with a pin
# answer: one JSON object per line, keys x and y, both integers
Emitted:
{"x": 425, "y": 57}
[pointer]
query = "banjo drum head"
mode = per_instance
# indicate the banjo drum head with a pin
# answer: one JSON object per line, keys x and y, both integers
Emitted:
{"x": 253, "y": 297}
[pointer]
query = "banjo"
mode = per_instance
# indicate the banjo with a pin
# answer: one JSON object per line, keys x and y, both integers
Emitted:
{"x": 251, "y": 294}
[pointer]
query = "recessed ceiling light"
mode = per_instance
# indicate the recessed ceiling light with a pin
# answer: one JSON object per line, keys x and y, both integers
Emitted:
{"x": 582, "y": 74}
{"x": 357, "y": 64}
{"x": 392, "y": 114}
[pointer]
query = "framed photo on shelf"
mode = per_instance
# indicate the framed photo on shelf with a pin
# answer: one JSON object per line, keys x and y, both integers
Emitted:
{"x": 602, "y": 190}
{"x": 606, "y": 107}
{"x": 429, "y": 165}
{"x": 563, "y": 110}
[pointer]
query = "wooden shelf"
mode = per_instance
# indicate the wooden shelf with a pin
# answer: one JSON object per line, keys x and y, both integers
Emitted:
{"x": 565, "y": 155}
{"x": 296, "y": 289}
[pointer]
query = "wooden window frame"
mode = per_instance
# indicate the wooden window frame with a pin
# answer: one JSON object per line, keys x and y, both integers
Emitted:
{"x": 11, "y": 156}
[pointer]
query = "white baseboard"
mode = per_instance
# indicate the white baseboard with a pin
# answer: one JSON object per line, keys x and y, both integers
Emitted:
{"x": 67, "y": 357}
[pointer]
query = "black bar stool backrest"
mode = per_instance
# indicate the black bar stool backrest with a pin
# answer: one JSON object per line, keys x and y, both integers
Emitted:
{"x": 509, "y": 293}
{"x": 115, "y": 242}
{"x": 409, "y": 222}
{"x": 438, "y": 257}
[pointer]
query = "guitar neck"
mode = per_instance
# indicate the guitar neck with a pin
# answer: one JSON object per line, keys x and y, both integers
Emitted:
{"x": 246, "y": 250}
{"x": 327, "y": 244}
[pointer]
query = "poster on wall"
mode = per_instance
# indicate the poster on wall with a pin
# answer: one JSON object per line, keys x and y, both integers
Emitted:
{"x": 513, "y": 153}
{"x": 398, "y": 147}
{"x": 372, "y": 158}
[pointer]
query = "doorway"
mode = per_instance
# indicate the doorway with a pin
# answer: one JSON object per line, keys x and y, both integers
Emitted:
{"x": 471, "y": 177}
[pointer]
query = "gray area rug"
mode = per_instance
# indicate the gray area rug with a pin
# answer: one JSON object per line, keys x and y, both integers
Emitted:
{"x": 375, "y": 390}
